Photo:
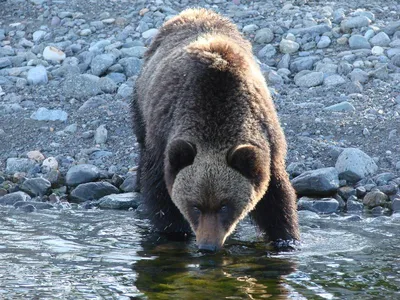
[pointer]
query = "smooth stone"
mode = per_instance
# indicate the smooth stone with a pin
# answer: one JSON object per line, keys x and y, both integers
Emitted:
{"x": 324, "y": 42}
{"x": 310, "y": 80}
{"x": 395, "y": 205}
{"x": 44, "y": 114}
{"x": 375, "y": 198}
{"x": 36, "y": 186}
{"x": 354, "y": 22}
{"x": 81, "y": 86}
{"x": 334, "y": 80}
{"x": 49, "y": 164}
{"x": 37, "y": 75}
{"x": 288, "y": 46}
{"x": 81, "y": 174}
{"x": 391, "y": 28}
{"x": 380, "y": 39}
{"x": 149, "y": 33}
{"x": 53, "y": 54}
{"x": 92, "y": 191}
{"x": 264, "y": 36}
{"x": 311, "y": 30}
{"x": 131, "y": 65}
{"x": 320, "y": 182}
{"x": 129, "y": 184}
{"x": 358, "y": 75}
{"x": 321, "y": 206}
{"x": 250, "y": 28}
{"x": 342, "y": 107}
{"x": 12, "y": 198}
{"x": 354, "y": 206}
{"x": 303, "y": 63}
{"x": 354, "y": 165}
{"x": 101, "y": 63}
{"x": 359, "y": 42}
{"x": 14, "y": 165}
{"x": 267, "y": 51}
{"x": 27, "y": 205}
{"x": 120, "y": 201}
{"x": 5, "y": 62}
{"x": 137, "y": 51}
{"x": 35, "y": 155}
{"x": 101, "y": 135}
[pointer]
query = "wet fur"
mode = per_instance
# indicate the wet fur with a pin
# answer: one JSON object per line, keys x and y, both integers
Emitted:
{"x": 200, "y": 66}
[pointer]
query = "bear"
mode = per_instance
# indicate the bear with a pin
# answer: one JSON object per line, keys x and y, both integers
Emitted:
{"x": 211, "y": 148}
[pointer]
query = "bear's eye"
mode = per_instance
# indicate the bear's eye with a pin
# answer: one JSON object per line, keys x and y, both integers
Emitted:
{"x": 223, "y": 209}
{"x": 196, "y": 210}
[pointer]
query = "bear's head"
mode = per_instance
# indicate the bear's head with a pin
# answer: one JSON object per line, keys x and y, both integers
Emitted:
{"x": 214, "y": 190}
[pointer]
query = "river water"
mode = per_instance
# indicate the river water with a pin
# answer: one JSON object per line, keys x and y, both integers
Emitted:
{"x": 106, "y": 254}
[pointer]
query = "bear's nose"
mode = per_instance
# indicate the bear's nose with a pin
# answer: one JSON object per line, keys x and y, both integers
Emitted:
{"x": 207, "y": 248}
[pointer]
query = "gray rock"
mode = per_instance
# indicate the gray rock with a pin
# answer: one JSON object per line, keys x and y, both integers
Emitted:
{"x": 322, "y": 206}
{"x": 395, "y": 60}
{"x": 81, "y": 86}
{"x": 98, "y": 47}
{"x": 320, "y": 182}
{"x": 338, "y": 15}
{"x": 354, "y": 22}
{"x": 264, "y": 36}
{"x": 44, "y": 114}
{"x": 395, "y": 205}
{"x": 284, "y": 62}
{"x": 38, "y": 35}
{"x": 288, "y": 46}
{"x": 37, "y": 75}
{"x": 375, "y": 198}
{"x": 342, "y": 106}
{"x": 137, "y": 51}
{"x": 12, "y": 198}
{"x": 82, "y": 173}
{"x": 36, "y": 186}
{"x": 334, "y": 80}
{"x": 14, "y": 165}
{"x": 129, "y": 184}
{"x": 27, "y": 205}
{"x": 125, "y": 91}
{"x": 326, "y": 68}
{"x": 324, "y": 42}
{"x": 303, "y": 63}
{"x": 131, "y": 65}
{"x": 384, "y": 178}
{"x": 359, "y": 42}
{"x": 309, "y": 80}
{"x": 101, "y": 63}
{"x": 92, "y": 191}
{"x": 392, "y": 27}
{"x": 149, "y": 33}
{"x": 120, "y": 201}
{"x": 296, "y": 168}
{"x": 346, "y": 192}
{"x": 274, "y": 79}
{"x": 354, "y": 206}
{"x": 312, "y": 30}
{"x": 267, "y": 51}
{"x": 358, "y": 75}
{"x": 250, "y": 28}
{"x": 107, "y": 85}
{"x": 5, "y": 62}
{"x": 381, "y": 39}
{"x": 118, "y": 78}
{"x": 101, "y": 134}
{"x": 354, "y": 165}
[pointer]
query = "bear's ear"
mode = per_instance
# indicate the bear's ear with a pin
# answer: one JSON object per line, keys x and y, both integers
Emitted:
{"x": 250, "y": 161}
{"x": 181, "y": 154}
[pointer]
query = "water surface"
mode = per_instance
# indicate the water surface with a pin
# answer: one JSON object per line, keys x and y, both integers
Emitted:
{"x": 95, "y": 254}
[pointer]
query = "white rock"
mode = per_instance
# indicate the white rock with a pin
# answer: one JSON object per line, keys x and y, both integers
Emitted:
{"x": 353, "y": 165}
{"x": 54, "y": 54}
{"x": 377, "y": 50}
{"x": 288, "y": 46}
{"x": 49, "y": 164}
{"x": 37, "y": 75}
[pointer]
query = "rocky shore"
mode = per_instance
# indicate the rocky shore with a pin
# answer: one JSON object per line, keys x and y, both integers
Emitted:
{"x": 67, "y": 71}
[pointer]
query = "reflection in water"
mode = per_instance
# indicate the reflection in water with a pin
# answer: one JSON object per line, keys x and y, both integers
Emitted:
{"x": 93, "y": 254}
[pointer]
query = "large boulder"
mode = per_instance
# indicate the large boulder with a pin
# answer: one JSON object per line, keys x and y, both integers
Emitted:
{"x": 354, "y": 165}
{"x": 320, "y": 182}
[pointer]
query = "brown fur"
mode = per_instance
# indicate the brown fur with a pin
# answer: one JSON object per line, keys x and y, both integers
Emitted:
{"x": 212, "y": 149}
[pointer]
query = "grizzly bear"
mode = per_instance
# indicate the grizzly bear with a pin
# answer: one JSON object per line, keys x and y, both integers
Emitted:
{"x": 211, "y": 147}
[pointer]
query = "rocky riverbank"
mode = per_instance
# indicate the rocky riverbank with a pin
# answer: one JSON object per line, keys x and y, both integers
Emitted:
{"x": 67, "y": 71}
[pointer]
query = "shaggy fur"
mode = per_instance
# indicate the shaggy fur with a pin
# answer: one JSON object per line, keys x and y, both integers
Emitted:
{"x": 211, "y": 146}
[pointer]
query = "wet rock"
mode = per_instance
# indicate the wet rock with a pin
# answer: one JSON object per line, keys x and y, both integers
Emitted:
{"x": 12, "y": 198}
{"x": 49, "y": 164}
{"x": 395, "y": 205}
{"x": 120, "y": 201}
{"x": 309, "y": 79}
{"x": 359, "y": 42}
{"x": 353, "y": 165}
{"x": 28, "y": 208}
{"x": 384, "y": 178}
{"x": 361, "y": 192}
{"x": 288, "y": 46}
{"x": 37, "y": 205}
{"x": 53, "y": 54}
{"x": 342, "y": 106}
{"x": 320, "y": 182}
{"x": 375, "y": 198}
{"x": 354, "y": 206}
{"x": 129, "y": 184}
{"x": 38, "y": 35}
{"x": 354, "y": 22}
{"x": 264, "y": 36}
{"x": 250, "y": 28}
{"x": 321, "y": 206}
{"x": 380, "y": 39}
{"x": 377, "y": 50}
{"x": 82, "y": 173}
{"x": 346, "y": 192}
{"x": 37, "y": 75}
{"x": 14, "y": 165}
{"x": 36, "y": 186}
{"x": 44, "y": 114}
{"x": 92, "y": 191}
{"x": 388, "y": 189}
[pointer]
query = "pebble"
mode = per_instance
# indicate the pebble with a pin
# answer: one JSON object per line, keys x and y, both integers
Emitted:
{"x": 38, "y": 35}
{"x": 14, "y": 165}
{"x": 129, "y": 184}
{"x": 264, "y": 36}
{"x": 354, "y": 206}
{"x": 131, "y": 65}
{"x": 101, "y": 63}
{"x": 120, "y": 201}
{"x": 288, "y": 46}
{"x": 324, "y": 42}
{"x": 81, "y": 174}
{"x": 149, "y": 33}
{"x": 354, "y": 22}
{"x": 395, "y": 205}
{"x": 310, "y": 79}
{"x": 36, "y": 186}
{"x": 342, "y": 106}
{"x": 49, "y": 164}
{"x": 81, "y": 87}
{"x": 92, "y": 191}
{"x": 35, "y": 155}
{"x": 311, "y": 30}
{"x": 354, "y": 165}
{"x": 333, "y": 80}
{"x": 380, "y": 39}
{"x": 44, "y": 114}
{"x": 101, "y": 135}
{"x": 359, "y": 42}
{"x": 321, "y": 206}
{"x": 53, "y": 54}
{"x": 12, "y": 198}
{"x": 267, "y": 51}
{"x": 320, "y": 182}
{"x": 37, "y": 75}
{"x": 5, "y": 62}
{"x": 377, "y": 50}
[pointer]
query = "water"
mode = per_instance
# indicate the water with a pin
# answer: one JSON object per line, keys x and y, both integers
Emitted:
{"x": 73, "y": 254}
